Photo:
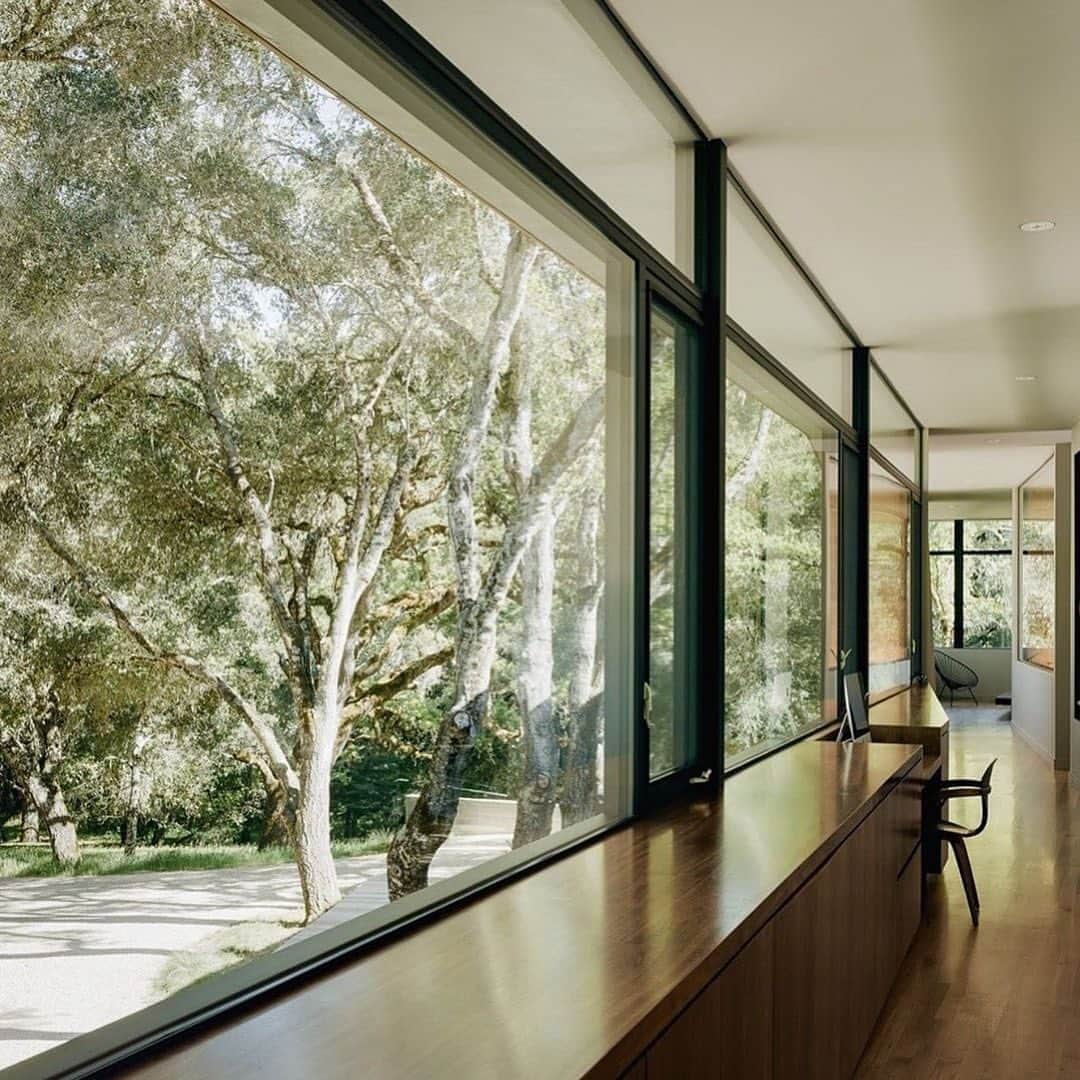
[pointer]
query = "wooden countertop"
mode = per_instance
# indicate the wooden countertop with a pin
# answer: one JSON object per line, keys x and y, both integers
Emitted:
{"x": 916, "y": 712}
{"x": 573, "y": 969}
{"x": 915, "y": 716}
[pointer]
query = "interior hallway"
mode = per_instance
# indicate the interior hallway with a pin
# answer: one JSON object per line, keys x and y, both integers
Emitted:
{"x": 1002, "y": 1000}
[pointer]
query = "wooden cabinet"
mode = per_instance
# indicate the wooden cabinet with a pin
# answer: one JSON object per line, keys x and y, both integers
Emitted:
{"x": 838, "y": 946}
{"x": 800, "y": 1000}
{"x": 727, "y": 1032}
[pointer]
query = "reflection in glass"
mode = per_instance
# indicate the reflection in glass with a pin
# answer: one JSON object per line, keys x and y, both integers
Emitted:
{"x": 663, "y": 692}
{"x": 781, "y": 563}
{"x": 566, "y": 74}
{"x": 892, "y": 431}
{"x": 890, "y": 582}
{"x": 1037, "y": 604}
{"x": 771, "y": 301}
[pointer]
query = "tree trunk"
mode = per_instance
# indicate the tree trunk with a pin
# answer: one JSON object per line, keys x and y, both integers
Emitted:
{"x": 29, "y": 823}
{"x": 131, "y": 831}
{"x": 46, "y": 791}
{"x": 137, "y": 793}
{"x": 278, "y": 827}
{"x": 52, "y": 808}
{"x": 278, "y": 821}
{"x": 536, "y": 796}
{"x": 314, "y": 858}
{"x": 579, "y": 798}
{"x": 427, "y": 827}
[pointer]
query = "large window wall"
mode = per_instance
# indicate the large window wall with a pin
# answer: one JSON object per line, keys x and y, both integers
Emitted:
{"x": 971, "y": 583}
{"x": 781, "y": 562}
{"x": 771, "y": 300}
{"x": 1036, "y": 603}
{"x": 371, "y": 530}
{"x": 564, "y": 72}
{"x": 896, "y": 540}
{"x": 321, "y": 555}
{"x": 890, "y": 582}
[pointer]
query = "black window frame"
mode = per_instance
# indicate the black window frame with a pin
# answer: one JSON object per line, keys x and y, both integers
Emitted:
{"x": 958, "y": 552}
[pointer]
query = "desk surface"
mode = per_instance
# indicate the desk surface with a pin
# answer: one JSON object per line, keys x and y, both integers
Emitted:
{"x": 917, "y": 708}
{"x": 574, "y": 968}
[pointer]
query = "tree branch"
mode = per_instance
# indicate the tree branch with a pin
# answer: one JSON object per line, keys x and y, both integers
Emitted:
{"x": 520, "y": 255}
{"x": 190, "y": 666}
{"x": 292, "y": 633}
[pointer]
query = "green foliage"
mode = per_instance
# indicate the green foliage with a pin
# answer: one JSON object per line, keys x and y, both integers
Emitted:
{"x": 18, "y": 861}
{"x": 178, "y": 199}
{"x": 774, "y": 576}
{"x": 988, "y": 583}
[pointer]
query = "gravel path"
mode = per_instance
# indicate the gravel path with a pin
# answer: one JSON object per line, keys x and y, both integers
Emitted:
{"x": 77, "y": 953}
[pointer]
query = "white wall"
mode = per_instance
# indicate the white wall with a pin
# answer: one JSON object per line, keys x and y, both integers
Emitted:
{"x": 1063, "y": 621}
{"x": 1033, "y": 706}
{"x": 1042, "y": 700}
{"x": 994, "y": 668}
{"x": 1074, "y": 695}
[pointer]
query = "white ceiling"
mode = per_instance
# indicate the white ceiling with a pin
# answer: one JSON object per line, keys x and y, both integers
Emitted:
{"x": 898, "y": 144}
{"x": 974, "y": 463}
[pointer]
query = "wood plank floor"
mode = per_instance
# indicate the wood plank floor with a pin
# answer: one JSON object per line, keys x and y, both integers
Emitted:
{"x": 1002, "y": 1000}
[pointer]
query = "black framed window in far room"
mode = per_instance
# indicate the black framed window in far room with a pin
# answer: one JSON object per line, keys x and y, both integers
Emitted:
{"x": 971, "y": 584}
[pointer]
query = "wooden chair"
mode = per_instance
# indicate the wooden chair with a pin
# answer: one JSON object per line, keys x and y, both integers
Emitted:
{"x": 957, "y": 835}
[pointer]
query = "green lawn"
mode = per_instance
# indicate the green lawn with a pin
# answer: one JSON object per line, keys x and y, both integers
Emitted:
{"x": 37, "y": 861}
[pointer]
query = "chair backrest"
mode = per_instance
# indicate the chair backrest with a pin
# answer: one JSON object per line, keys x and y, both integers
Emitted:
{"x": 980, "y": 787}
{"x": 953, "y": 671}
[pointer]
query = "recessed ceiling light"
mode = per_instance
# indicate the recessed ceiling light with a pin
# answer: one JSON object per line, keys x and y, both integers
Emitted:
{"x": 1037, "y": 226}
{"x": 1027, "y": 378}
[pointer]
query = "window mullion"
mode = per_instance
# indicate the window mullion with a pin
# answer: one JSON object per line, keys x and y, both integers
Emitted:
{"x": 958, "y": 584}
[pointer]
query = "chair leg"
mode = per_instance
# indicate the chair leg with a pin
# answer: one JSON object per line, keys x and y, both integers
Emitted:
{"x": 963, "y": 864}
{"x": 974, "y": 699}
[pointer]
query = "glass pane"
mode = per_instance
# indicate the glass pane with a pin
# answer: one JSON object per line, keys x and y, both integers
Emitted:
{"x": 770, "y": 300}
{"x": 988, "y": 590}
{"x": 988, "y": 535}
{"x": 343, "y": 452}
{"x": 890, "y": 582}
{"x": 892, "y": 431}
{"x": 563, "y": 72}
{"x": 943, "y": 598}
{"x": 831, "y": 600}
{"x": 669, "y": 738}
{"x": 1037, "y": 603}
{"x": 942, "y": 535}
{"x": 780, "y": 563}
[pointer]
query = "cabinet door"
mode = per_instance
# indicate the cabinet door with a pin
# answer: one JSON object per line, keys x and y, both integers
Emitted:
{"x": 837, "y": 947}
{"x": 726, "y": 1033}
{"x": 825, "y": 951}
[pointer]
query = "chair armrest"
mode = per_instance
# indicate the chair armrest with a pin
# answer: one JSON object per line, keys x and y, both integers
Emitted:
{"x": 959, "y": 792}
